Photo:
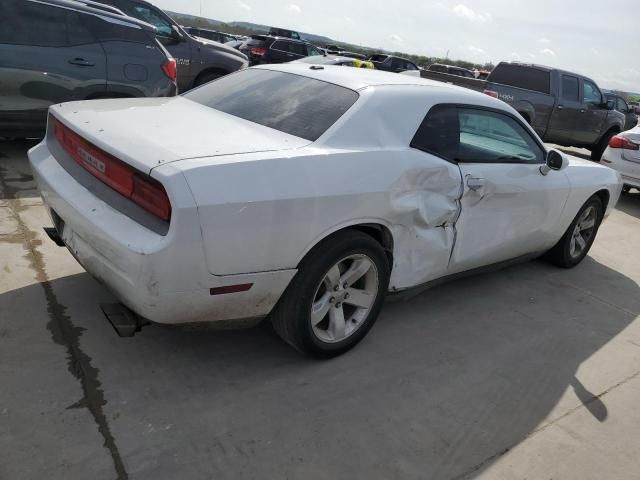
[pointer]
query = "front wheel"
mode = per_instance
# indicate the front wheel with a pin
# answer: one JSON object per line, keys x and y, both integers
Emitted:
{"x": 577, "y": 240}
{"x": 335, "y": 297}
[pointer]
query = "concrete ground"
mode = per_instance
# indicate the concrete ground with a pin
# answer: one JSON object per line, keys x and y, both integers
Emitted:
{"x": 532, "y": 372}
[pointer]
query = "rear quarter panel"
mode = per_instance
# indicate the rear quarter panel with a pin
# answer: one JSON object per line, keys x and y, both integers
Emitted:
{"x": 266, "y": 214}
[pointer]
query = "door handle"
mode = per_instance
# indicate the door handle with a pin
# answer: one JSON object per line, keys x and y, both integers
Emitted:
{"x": 560, "y": 107}
{"x": 475, "y": 183}
{"x": 81, "y": 62}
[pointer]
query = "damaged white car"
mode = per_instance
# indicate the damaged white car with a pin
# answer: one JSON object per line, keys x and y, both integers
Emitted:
{"x": 306, "y": 193}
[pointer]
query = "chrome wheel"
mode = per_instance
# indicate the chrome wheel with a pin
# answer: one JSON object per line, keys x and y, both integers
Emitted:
{"x": 344, "y": 298}
{"x": 583, "y": 232}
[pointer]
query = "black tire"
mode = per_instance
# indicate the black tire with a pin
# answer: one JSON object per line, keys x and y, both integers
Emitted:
{"x": 601, "y": 146}
{"x": 291, "y": 318}
{"x": 207, "y": 77}
{"x": 626, "y": 188}
{"x": 560, "y": 255}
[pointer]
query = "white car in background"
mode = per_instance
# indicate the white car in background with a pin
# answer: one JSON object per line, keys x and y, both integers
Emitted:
{"x": 623, "y": 155}
{"x": 306, "y": 193}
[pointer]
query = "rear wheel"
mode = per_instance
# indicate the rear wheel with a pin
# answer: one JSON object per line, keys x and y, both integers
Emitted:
{"x": 335, "y": 297}
{"x": 577, "y": 240}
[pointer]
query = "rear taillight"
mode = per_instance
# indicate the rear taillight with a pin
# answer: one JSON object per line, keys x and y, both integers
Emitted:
{"x": 170, "y": 68}
{"x": 622, "y": 142}
{"x": 258, "y": 51}
{"x": 491, "y": 93}
{"x": 124, "y": 179}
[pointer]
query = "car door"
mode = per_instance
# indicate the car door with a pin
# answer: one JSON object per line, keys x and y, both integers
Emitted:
{"x": 629, "y": 114}
{"x": 47, "y": 56}
{"x": 179, "y": 48}
{"x": 507, "y": 208}
{"x": 567, "y": 112}
{"x": 592, "y": 116}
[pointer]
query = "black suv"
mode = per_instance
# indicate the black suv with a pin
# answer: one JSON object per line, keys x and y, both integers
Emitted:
{"x": 209, "y": 34}
{"x": 268, "y": 49}
{"x": 389, "y": 63}
{"x": 55, "y": 51}
{"x": 199, "y": 60}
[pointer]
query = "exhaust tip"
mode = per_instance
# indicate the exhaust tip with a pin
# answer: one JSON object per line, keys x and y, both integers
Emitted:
{"x": 124, "y": 321}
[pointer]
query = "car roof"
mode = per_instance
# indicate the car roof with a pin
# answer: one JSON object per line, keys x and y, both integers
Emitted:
{"x": 97, "y": 8}
{"x": 355, "y": 78}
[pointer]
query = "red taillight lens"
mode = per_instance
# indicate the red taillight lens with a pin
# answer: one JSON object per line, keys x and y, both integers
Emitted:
{"x": 170, "y": 68}
{"x": 491, "y": 93}
{"x": 124, "y": 179}
{"x": 151, "y": 196}
{"x": 259, "y": 51}
{"x": 622, "y": 142}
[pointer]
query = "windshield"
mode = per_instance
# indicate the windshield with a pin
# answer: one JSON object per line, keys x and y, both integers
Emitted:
{"x": 297, "y": 105}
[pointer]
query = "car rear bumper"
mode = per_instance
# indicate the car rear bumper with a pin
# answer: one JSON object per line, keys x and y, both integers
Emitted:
{"x": 628, "y": 169}
{"x": 163, "y": 278}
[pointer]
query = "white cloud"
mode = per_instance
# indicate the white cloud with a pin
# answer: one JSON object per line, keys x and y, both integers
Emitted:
{"x": 477, "y": 50}
{"x": 515, "y": 56}
{"x": 293, "y": 8}
{"x": 465, "y": 12}
{"x": 544, "y": 40}
{"x": 548, "y": 51}
{"x": 244, "y": 6}
{"x": 396, "y": 38}
{"x": 595, "y": 51}
{"x": 532, "y": 56}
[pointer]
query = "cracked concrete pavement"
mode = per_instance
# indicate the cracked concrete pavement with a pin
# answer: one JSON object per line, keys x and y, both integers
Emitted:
{"x": 530, "y": 372}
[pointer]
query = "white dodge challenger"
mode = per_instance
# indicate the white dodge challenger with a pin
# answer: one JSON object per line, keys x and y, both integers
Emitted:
{"x": 306, "y": 194}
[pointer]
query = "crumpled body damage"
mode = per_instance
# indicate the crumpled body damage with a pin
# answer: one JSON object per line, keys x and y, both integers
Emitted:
{"x": 425, "y": 201}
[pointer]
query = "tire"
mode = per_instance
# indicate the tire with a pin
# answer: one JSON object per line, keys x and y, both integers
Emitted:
{"x": 325, "y": 335}
{"x": 626, "y": 188}
{"x": 569, "y": 251}
{"x": 207, "y": 77}
{"x": 600, "y": 147}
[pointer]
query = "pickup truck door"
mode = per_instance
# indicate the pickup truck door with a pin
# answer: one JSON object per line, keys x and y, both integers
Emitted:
{"x": 508, "y": 208}
{"x": 566, "y": 113}
{"x": 589, "y": 126}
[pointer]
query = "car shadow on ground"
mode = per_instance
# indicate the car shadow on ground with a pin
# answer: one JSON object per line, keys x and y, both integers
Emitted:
{"x": 443, "y": 384}
{"x": 629, "y": 203}
{"x": 15, "y": 175}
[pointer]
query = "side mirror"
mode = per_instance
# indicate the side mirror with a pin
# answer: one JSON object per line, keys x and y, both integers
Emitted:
{"x": 176, "y": 34}
{"x": 555, "y": 161}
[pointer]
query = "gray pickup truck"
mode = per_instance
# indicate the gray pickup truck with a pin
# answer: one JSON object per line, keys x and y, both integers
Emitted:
{"x": 563, "y": 107}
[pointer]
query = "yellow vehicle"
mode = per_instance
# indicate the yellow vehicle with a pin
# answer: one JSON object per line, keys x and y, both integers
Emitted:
{"x": 335, "y": 60}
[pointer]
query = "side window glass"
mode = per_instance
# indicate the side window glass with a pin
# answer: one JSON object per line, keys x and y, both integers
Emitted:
{"x": 279, "y": 45}
{"x": 298, "y": 49}
{"x": 570, "y": 90}
{"x": 476, "y": 136}
{"x": 146, "y": 14}
{"x": 26, "y": 23}
{"x": 591, "y": 94}
{"x": 622, "y": 106}
{"x": 439, "y": 133}
{"x": 491, "y": 137}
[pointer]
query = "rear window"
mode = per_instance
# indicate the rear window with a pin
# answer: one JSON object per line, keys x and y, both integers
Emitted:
{"x": 522, "y": 77}
{"x": 292, "y": 104}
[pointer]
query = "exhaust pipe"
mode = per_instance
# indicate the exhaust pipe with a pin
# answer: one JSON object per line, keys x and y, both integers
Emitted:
{"x": 53, "y": 234}
{"x": 124, "y": 321}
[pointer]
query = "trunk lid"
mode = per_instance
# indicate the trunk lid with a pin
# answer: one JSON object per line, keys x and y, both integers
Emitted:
{"x": 634, "y": 136}
{"x": 148, "y": 132}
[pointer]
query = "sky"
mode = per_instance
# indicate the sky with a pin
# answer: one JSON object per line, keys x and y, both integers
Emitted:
{"x": 595, "y": 38}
